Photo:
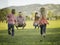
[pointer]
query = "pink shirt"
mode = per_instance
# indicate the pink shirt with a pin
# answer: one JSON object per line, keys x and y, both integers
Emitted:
{"x": 43, "y": 21}
{"x": 11, "y": 19}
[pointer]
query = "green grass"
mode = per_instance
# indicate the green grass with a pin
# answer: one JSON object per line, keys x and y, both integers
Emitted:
{"x": 31, "y": 36}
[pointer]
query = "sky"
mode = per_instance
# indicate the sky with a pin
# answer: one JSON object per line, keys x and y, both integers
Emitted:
{"x": 7, "y": 3}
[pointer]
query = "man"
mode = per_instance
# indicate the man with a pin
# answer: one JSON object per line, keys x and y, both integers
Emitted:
{"x": 20, "y": 21}
{"x": 11, "y": 21}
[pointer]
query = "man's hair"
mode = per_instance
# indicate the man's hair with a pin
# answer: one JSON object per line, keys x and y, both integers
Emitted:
{"x": 20, "y": 12}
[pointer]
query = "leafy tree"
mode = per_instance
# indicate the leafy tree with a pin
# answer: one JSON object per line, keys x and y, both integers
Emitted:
{"x": 3, "y": 13}
{"x": 50, "y": 14}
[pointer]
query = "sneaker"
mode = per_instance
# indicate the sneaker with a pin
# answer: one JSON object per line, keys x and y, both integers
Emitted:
{"x": 44, "y": 35}
{"x": 9, "y": 33}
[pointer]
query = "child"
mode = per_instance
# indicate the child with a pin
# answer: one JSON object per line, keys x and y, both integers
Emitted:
{"x": 11, "y": 21}
{"x": 35, "y": 24}
{"x": 43, "y": 22}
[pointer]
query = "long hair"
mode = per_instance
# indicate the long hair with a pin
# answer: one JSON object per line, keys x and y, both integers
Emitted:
{"x": 42, "y": 10}
{"x": 36, "y": 16}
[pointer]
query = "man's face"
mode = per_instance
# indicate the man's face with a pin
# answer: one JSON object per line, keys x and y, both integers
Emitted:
{"x": 20, "y": 13}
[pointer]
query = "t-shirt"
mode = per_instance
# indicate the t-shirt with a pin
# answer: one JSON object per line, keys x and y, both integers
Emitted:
{"x": 20, "y": 20}
{"x": 43, "y": 21}
{"x": 11, "y": 19}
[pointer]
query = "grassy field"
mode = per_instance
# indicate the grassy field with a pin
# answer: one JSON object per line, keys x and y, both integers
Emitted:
{"x": 31, "y": 36}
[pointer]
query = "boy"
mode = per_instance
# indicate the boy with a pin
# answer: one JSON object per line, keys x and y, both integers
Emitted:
{"x": 11, "y": 21}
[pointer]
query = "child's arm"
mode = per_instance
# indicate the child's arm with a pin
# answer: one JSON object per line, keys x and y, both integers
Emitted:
{"x": 15, "y": 20}
{"x": 47, "y": 21}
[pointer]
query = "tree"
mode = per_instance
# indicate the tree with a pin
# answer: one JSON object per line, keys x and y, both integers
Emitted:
{"x": 3, "y": 13}
{"x": 50, "y": 14}
{"x": 33, "y": 15}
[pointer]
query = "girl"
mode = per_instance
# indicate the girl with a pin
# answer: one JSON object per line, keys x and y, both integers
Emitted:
{"x": 43, "y": 22}
{"x": 35, "y": 24}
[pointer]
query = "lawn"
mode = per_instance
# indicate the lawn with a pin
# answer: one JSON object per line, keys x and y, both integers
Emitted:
{"x": 31, "y": 36}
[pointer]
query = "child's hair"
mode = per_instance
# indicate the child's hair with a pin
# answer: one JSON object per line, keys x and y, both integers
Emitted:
{"x": 36, "y": 16}
{"x": 42, "y": 10}
{"x": 43, "y": 17}
{"x": 13, "y": 11}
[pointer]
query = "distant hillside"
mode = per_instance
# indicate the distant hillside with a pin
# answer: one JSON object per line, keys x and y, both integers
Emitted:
{"x": 36, "y": 7}
{"x": 28, "y": 8}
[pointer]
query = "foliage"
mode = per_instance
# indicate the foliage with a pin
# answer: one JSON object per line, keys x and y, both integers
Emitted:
{"x": 3, "y": 13}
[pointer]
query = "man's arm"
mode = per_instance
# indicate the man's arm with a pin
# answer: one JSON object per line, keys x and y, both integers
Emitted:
{"x": 23, "y": 19}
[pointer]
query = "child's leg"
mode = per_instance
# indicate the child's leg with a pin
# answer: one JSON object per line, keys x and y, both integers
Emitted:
{"x": 41, "y": 26}
{"x": 44, "y": 29}
{"x": 9, "y": 28}
{"x": 12, "y": 30}
{"x": 38, "y": 26}
{"x": 35, "y": 26}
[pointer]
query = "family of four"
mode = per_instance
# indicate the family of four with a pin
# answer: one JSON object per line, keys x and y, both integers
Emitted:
{"x": 39, "y": 21}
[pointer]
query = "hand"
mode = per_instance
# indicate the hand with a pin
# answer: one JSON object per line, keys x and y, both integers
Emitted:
{"x": 48, "y": 23}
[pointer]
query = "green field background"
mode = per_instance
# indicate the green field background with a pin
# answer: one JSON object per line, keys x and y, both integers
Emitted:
{"x": 31, "y": 36}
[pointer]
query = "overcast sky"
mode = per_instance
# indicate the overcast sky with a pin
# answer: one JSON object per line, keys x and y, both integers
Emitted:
{"x": 6, "y": 3}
